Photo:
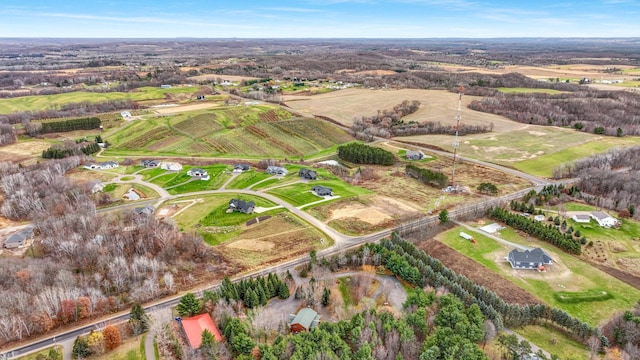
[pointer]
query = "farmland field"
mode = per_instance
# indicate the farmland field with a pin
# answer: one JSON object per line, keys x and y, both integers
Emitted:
{"x": 255, "y": 131}
{"x": 566, "y": 275}
{"x": 43, "y": 102}
{"x": 529, "y": 90}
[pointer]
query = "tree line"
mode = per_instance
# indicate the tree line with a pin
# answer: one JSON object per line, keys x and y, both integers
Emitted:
{"x": 389, "y": 123}
{"x": 404, "y": 257}
{"x": 60, "y": 152}
{"x": 612, "y": 113}
{"x": 80, "y": 109}
{"x": 364, "y": 154}
{"x": 426, "y": 176}
{"x": 7, "y": 134}
{"x": 89, "y": 123}
{"x": 549, "y": 233}
{"x": 254, "y": 292}
{"x": 608, "y": 180}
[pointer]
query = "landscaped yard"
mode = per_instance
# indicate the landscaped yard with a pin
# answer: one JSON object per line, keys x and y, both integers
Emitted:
{"x": 247, "y": 178}
{"x": 300, "y": 194}
{"x": 568, "y": 275}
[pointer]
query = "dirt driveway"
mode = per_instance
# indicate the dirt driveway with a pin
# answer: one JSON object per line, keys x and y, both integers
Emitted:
{"x": 276, "y": 313}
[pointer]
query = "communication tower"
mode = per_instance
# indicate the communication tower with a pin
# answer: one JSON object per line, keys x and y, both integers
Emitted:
{"x": 456, "y": 143}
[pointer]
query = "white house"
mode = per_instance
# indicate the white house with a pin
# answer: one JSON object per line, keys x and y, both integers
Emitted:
{"x": 171, "y": 166}
{"x": 125, "y": 114}
{"x": 199, "y": 173}
{"x": 580, "y": 218}
{"x": 603, "y": 219}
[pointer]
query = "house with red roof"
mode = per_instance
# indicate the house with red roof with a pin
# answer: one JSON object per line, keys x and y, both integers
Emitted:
{"x": 195, "y": 325}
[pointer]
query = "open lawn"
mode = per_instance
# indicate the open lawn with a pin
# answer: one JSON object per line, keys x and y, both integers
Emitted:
{"x": 543, "y": 164}
{"x": 179, "y": 182}
{"x": 568, "y": 276}
{"x": 247, "y": 178}
{"x": 555, "y": 342}
{"x": 42, "y": 102}
{"x": 300, "y": 193}
{"x": 528, "y": 90}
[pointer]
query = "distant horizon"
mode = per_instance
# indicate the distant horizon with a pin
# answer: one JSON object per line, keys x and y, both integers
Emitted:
{"x": 319, "y": 19}
{"x": 322, "y": 38}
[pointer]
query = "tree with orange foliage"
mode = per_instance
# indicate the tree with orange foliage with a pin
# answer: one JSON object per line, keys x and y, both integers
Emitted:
{"x": 112, "y": 337}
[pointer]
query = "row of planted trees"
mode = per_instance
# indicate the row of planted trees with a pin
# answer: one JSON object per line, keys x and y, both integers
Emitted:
{"x": 416, "y": 267}
{"x": 538, "y": 229}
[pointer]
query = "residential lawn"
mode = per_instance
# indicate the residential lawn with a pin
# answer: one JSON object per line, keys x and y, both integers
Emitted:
{"x": 127, "y": 178}
{"x": 151, "y": 173}
{"x": 569, "y": 274}
{"x": 266, "y": 183}
{"x": 300, "y": 193}
{"x": 543, "y": 165}
{"x": 132, "y": 169}
{"x": 555, "y": 342}
{"x": 213, "y": 208}
{"x": 43, "y": 352}
{"x": 247, "y": 178}
{"x": 179, "y": 182}
{"x": 521, "y": 90}
{"x": 578, "y": 207}
{"x": 42, "y": 102}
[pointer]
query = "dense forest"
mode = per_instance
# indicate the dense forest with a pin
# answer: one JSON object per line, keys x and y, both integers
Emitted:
{"x": 85, "y": 264}
{"x": 608, "y": 180}
{"x": 600, "y": 112}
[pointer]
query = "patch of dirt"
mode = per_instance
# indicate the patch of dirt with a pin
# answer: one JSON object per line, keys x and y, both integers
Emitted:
{"x": 253, "y": 245}
{"x": 371, "y": 215}
{"x": 461, "y": 264}
{"x": 193, "y": 107}
{"x": 617, "y": 247}
{"x": 631, "y": 265}
{"x": 28, "y": 148}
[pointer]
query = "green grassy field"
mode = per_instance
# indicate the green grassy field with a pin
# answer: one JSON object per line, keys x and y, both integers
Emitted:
{"x": 300, "y": 193}
{"x": 543, "y": 165}
{"x": 43, "y": 353}
{"x": 179, "y": 182}
{"x": 580, "y": 276}
{"x": 528, "y": 90}
{"x": 42, "y": 102}
{"x": 555, "y": 342}
{"x": 246, "y": 179}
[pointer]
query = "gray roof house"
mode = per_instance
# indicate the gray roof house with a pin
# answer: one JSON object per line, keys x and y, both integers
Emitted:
{"x": 150, "y": 163}
{"x": 414, "y": 155}
{"x": 242, "y": 206}
{"x": 241, "y": 167}
{"x": 19, "y": 239}
{"x": 308, "y": 174}
{"x": 604, "y": 219}
{"x": 322, "y": 190}
{"x": 277, "y": 170}
{"x": 305, "y": 320}
{"x": 146, "y": 211}
{"x": 534, "y": 259}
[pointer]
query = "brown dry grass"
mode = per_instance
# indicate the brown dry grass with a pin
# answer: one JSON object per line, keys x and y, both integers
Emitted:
{"x": 274, "y": 240}
{"x": 436, "y": 105}
{"x": 179, "y": 109}
{"x": 213, "y": 77}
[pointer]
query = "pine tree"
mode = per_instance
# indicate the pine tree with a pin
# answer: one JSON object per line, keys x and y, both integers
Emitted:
{"x": 283, "y": 290}
{"x": 188, "y": 305}
{"x": 326, "y": 297}
{"x": 138, "y": 319}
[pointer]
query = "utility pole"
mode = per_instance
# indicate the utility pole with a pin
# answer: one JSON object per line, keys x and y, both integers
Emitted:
{"x": 455, "y": 141}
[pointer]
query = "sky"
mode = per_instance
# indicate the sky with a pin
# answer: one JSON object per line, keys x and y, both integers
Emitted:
{"x": 319, "y": 18}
